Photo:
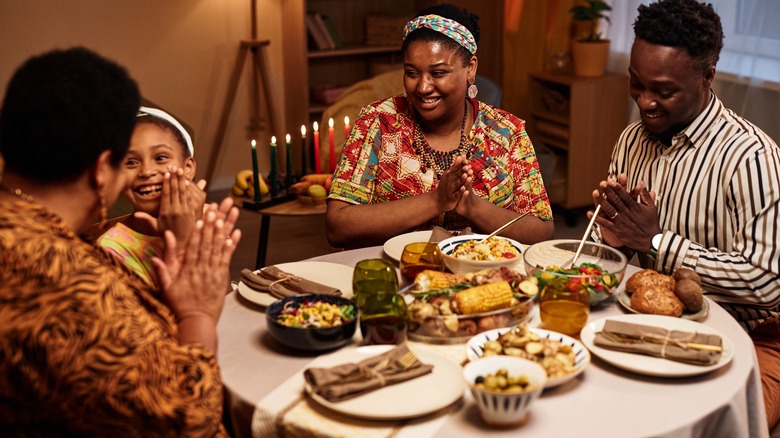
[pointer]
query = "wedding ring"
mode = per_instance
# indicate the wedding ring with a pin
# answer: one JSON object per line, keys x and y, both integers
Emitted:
{"x": 604, "y": 195}
{"x": 614, "y": 216}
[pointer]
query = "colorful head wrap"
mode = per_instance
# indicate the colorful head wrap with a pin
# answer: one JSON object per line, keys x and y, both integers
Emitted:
{"x": 160, "y": 114}
{"x": 451, "y": 28}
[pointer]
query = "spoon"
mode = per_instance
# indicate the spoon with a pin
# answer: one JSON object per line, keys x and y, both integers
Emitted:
{"x": 585, "y": 236}
{"x": 504, "y": 227}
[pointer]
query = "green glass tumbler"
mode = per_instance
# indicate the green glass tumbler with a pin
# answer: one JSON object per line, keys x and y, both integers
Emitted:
{"x": 382, "y": 309}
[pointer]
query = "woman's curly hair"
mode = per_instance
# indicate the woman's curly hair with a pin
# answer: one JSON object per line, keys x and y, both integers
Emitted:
{"x": 687, "y": 24}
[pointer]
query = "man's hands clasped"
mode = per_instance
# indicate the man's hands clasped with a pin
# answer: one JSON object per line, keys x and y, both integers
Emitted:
{"x": 628, "y": 218}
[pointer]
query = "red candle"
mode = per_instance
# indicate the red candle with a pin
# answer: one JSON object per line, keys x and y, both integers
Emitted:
{"x": 346, "y": 129}
{"x": 331, "y": 146}
{"x": 316, "y": 135}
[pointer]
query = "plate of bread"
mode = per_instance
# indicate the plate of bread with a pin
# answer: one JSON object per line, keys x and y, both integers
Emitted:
{"x": 679, "y": 295}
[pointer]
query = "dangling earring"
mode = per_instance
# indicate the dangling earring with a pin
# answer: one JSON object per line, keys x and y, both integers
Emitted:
{"x": 472, "y": 91}
{"x": 103, "y": 206}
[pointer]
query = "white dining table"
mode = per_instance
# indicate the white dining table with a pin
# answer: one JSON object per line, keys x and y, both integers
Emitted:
{"x": 604, "y": 401}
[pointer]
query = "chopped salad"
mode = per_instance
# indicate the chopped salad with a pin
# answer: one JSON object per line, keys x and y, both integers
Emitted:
{"x": 494, "y": 248}
{"x": 587, "y": 275}
{"x": 315, "y": 314}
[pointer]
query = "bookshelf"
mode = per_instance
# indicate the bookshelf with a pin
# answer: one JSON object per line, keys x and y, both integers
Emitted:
{"x": 308, "y": 67}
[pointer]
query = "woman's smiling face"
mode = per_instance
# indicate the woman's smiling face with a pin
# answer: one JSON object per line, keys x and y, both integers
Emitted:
{"x": 435, "y": 80}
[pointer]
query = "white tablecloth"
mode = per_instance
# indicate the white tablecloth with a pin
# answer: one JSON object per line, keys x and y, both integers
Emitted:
{"x": 604, "y": 401}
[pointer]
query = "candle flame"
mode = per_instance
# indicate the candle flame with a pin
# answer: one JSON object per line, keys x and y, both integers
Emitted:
{"x": 288, "y": 138}
{"x": 273, "y": 139}
{"x": 330, "y": 122}
{"x": 254, "y": 144}
{"x": 346, "y": 120}
{"x": 316, "y": 127}
{"x": 303, "y": 130}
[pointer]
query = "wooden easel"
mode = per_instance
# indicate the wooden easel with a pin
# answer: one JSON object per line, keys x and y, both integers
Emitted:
{"x": 255, "y": 49}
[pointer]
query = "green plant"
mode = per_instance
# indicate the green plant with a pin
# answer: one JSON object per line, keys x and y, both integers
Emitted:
{"x": 592, "y": 11}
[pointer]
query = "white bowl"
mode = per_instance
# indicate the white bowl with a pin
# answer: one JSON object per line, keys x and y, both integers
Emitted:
{"x": 505, "y": 409}
{"x": 462, "y": 266}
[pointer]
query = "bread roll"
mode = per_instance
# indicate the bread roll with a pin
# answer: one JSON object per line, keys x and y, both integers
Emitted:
{"x": 690, "y": 294}
{"x": 649, "y": 277}
{"x": 687, "y": 273}
{"x": 656, "y": 300}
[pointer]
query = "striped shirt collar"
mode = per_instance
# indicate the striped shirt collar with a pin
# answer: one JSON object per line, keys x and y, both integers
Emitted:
{"x": 702, "y": 124}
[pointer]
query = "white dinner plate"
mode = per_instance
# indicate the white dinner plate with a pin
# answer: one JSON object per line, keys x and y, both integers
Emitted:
{"x": 394, "y": 247}
{"x": 327, "y": 273}
{"x": 581, "y": 356}
{"x": 650, "y": 365}
{"x": 624, "y": 299}
{"x": 409, "y": 399}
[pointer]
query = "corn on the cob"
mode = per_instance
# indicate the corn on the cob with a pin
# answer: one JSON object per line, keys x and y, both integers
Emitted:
{"x": 432, "y": 280}
{"x": 484, "y": 298}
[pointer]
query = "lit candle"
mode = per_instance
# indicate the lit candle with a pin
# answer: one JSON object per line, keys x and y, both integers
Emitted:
{"x": 304, "y": 162}
{"x": 317, "y": 160}
{"x": 272, "y": 177}
{"x": 255, "y": 173}
{"x": 346, "y": 128}
{"x": 288, "y": 161}
{"x": 331, "y": 146}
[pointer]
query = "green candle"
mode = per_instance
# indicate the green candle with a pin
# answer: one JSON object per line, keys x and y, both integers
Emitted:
{"x": 288, "y": 178}
{"x": 255, "y": 173}
{"x": 273, "y": 176}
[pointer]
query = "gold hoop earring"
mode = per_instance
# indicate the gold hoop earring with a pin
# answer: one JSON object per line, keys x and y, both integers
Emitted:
{"x": 103, "y": 206}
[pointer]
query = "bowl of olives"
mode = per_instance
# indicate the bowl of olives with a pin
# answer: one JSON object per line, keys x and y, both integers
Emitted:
{"x": 504, "y": 388}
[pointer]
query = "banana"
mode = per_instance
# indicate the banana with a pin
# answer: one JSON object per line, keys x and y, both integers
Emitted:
{"x": 244, "y": 179}
{"x": 263, "y": 186}
{"x": 245, "y": 182}
{"x": 238, "y": 191}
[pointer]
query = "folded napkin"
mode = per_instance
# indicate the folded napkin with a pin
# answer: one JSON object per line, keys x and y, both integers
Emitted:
{"x": 352, "y": 379}
{"x": 280, "y": 284}
{"x": 438, "y": 233}
{"x": 693, "y": 348}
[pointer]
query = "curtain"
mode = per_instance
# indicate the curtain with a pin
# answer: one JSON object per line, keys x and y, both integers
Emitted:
{"x": 748, "y": 72}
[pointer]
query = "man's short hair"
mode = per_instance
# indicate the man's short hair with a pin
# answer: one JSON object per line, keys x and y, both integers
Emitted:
{"x": 686, "y": 24}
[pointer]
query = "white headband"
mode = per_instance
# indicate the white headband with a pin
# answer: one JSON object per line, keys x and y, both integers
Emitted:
{"x": 160, "y": 114}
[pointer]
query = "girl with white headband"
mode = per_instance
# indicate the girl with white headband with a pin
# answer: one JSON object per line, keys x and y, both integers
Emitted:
{"x": 434, "y": 155}
{"x": 160, "y": 168}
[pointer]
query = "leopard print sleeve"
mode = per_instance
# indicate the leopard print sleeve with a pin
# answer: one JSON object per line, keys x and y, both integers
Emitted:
{"x": 85, "y": 348}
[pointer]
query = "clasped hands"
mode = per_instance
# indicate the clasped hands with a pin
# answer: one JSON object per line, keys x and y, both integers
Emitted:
{"x": 454, "y": 190}
{"x": 627, "y": 218}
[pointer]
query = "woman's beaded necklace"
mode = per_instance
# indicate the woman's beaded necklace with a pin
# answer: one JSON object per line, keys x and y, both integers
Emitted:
{"x": 440, "y": 161}
{"x": 18, "y": 193}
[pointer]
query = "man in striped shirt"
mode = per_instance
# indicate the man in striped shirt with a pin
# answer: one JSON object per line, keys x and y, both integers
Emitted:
{"x": 694, "y": 185}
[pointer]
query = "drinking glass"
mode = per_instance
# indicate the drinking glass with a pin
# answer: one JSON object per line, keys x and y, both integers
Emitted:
{"x": 564, "y": 305}
{"x": 382, "y": 310}
{"x": 418, "y": 257}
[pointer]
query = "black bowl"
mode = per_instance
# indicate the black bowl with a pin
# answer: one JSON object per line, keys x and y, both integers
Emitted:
{"x": 311, "y": 339}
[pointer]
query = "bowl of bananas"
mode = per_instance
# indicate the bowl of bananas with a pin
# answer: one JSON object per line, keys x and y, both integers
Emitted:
{"x": 447, "y": 308}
